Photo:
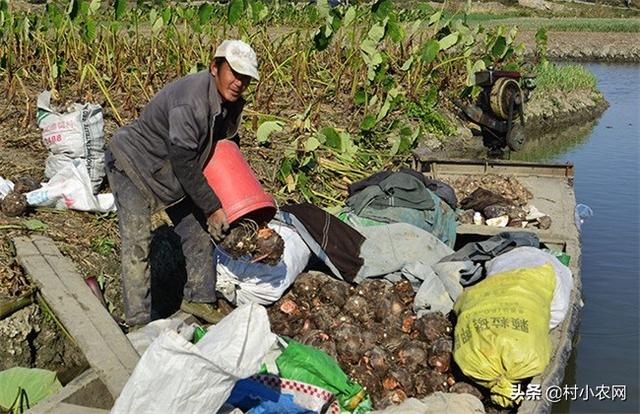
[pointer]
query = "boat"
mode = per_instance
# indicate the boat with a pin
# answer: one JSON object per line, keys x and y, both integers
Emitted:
{"x": 551, "y": 185}
{"x": 553, "y": 194}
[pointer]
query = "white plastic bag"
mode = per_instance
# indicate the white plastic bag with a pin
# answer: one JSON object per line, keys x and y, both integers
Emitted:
{"x": 78, "y": 134}
{"x": 71, "y": 188}
{"x": 143, "y": 337}
{"x": 528, "y": 257}
{"x": 244, "y": 282}
{"x": 175, "y": 376}
{"x": 6, "y": 186}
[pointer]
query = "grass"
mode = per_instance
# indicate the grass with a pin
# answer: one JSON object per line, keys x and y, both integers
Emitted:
{"x": 618, "y": 25}
{"x": 565, "y": 78}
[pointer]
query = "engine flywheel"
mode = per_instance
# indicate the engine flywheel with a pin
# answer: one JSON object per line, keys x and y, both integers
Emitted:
{"x": 503, "y": 92}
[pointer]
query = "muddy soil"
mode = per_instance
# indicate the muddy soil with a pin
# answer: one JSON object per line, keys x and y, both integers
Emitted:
{"x": 30, "y": 338}
{"x": 587, "y": 46}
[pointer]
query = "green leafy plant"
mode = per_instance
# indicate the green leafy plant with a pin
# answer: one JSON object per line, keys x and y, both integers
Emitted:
{"x": 103, "y": 245}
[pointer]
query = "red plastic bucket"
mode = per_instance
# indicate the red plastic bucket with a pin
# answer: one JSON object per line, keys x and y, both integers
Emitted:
{"x": 235, "y": 184}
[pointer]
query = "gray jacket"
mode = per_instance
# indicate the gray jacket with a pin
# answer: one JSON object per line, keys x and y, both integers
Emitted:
{"x": 181, "y": 122}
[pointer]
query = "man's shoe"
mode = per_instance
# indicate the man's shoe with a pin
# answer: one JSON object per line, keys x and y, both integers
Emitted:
{"x": 206, "y": 311}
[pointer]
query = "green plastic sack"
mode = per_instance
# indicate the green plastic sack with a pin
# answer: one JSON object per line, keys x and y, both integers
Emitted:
{"x": 502, "y": 332}
{"x": 308, "y": 364}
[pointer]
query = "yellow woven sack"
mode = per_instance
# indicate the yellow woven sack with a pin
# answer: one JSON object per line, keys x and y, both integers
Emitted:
{"x": 502, "y": 333}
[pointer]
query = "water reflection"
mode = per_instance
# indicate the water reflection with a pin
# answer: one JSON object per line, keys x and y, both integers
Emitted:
{"x": 550, "y": 146}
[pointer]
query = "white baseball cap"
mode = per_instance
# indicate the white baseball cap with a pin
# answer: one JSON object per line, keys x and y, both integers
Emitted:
{"x": 240, "y": 56}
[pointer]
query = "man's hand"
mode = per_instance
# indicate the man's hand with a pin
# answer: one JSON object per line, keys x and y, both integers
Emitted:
{"x": 218, "y": 225}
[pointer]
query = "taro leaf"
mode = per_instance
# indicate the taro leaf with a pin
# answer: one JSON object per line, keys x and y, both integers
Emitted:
{"x": 153, "y": 14}
{"x": 386, "y": 106}
{"x": 204, "y": 13}
{"x": 311, "y": 144}
{"x": 407, "y": 65}
{"x": 73, "y": 9}
{"x": 395, "y": 144}
{"x": 119, "y": 7}
{"x": 448, "y": 41}
{"x": 382, "y": 8}
{"x": 157, "y": 25}
{"x": 37, "y": 383}
{"x": 54, "y": 70}
{"x": 285, "y": 168}
{"x": 266, "y": 128}
{"x": 435, "y": 17}
{"x": 323, "y": 8}
{"x": 376, "y": 33}
{"x": 395, "y": 31}
{"x": 34, "y": 225}
{"x": 472, "y": 70}
{"x": 89, "y": 31}
{"x": 429, "y": 51}
{"x": 166, "y": 15}
{"x": 499, "y": 48}
{"x": 332, "y": 138}
{"x": 425, "y": 8}
{"x": 94, "y": 6}
{"x": 236, "y": 9}
{"x": 259, "y": 11}
{"x": 322, "y": 39}
{"x": 368, "y": 122}
{"x": 349, "y": 16}
{"x": 84, "y": 7}
{"x": 302, "y": 179}
{"x": 360, "y": 97}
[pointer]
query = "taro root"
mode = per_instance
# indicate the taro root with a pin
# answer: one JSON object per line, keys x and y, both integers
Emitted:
{"x": 270, "y": 246}
{"x": 320, "y": 340}
{"x": 466, "y": 388}
{"x": 367, "y": 378}
{"x": 404, "y": 292}
{"x": 323, "y": 316}
{"x": 428, "y": 382}
{"x": 407, "y": 323}
{"x": 290, "y": 307}
{"x": 388, "y": 307}
{"x": 444, "y": 344}
{"x": 376, "y": 359}
{"x": 334, "y": 293}
{"x": 25, "y": 184}
{"x": 404, "y": 378}
{"x": 306, "y": 285}
{"x": 358, "y": 307}
{"x": 391, "y": 397}
{"x": 433, "y": 326}
{"x": 374, "y": 289}
{"x": 14, "y": 204}
{"x": 440, "y": 361}
{"x": 368, "y": 338}
{"x": 348, "y": 343}
{"x": 258, "y": 243}
{"x": 481, "y": 198}
{"x": 412, "y": 355}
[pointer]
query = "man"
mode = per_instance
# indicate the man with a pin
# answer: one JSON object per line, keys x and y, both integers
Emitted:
{"x": 156, "y": 163}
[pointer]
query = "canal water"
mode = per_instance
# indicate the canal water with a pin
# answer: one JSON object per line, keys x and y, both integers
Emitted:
{"x": 606, "y": 155}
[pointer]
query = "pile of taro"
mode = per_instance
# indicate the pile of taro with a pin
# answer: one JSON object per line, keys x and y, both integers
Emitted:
{"x": 371, "y": 330}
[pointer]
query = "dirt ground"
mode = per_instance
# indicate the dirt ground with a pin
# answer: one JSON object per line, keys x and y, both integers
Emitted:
{"x": 587, "y": 46}
{"x": 92, "y": 241}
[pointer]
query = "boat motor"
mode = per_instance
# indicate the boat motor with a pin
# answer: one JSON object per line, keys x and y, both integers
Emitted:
{"x": 499, "y": 109}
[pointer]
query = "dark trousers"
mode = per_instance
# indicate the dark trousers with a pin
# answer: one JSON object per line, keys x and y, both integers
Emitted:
{"x": 134, "y": 222}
